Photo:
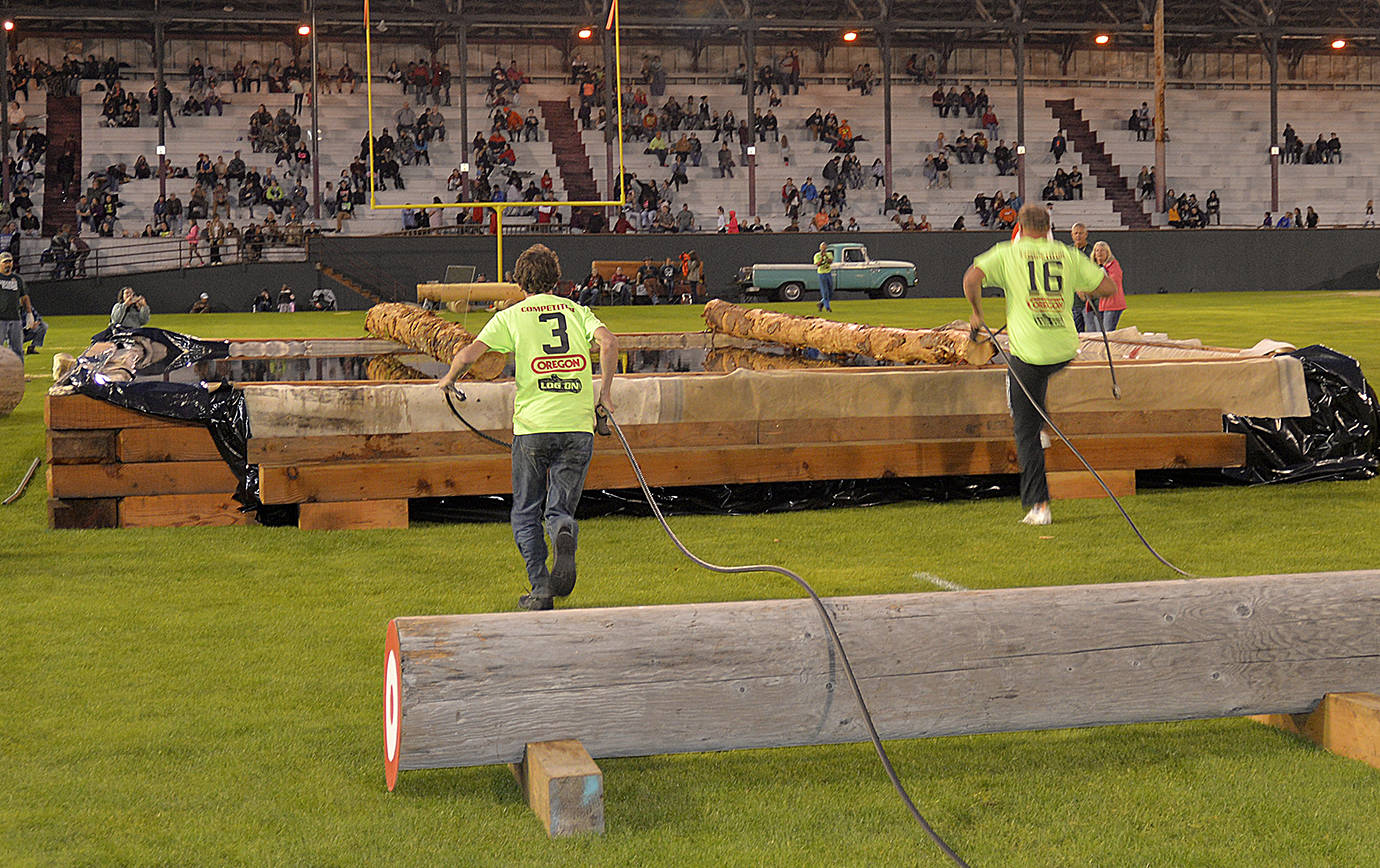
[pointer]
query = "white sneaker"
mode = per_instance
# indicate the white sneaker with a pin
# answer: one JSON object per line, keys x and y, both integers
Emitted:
{"x": 1038, "y": 515}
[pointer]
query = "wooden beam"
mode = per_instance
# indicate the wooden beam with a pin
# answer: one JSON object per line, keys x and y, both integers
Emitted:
{"x": 183, "y": 510}
{"x": 360, "y": 515}
{"x": 181, "y": 443}
{"x": 120, "y": 480}
{"x": 1080, "y": 484}
{"x": 1347, "y": 724}
{"x": 563, "y": 787}
{"x": 81, "y": 447}
{"x": 82, "y": 514}
{"x": 79, "y": 411}
{"x": 491, "y": 474}
{"x": 667, "y": 679}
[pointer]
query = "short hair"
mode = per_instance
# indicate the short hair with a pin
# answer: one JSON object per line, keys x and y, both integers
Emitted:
{"x": 537, "y": 269}
{"x": 1033, "y": 220}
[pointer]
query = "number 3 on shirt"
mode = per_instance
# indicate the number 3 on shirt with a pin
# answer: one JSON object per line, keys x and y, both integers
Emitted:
{"x": 1054, "y": 282}
{"x": 558, "y": 331}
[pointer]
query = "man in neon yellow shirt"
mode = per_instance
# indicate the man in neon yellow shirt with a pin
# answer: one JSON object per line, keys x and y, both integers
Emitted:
{"x": 824, "y": 266}
{"x": 1040, "y": 277}
{"x": 553, "y": 414}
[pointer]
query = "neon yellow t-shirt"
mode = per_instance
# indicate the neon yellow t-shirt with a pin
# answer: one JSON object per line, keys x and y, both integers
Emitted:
{"x": 1040, "y": 277}
{"x": 549, "y": 338}
{"x": 824, "y": 261}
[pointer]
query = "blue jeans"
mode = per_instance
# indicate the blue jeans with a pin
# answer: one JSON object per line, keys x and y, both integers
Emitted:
{"x": 12, "y": 336}
{"x": 1109, "y": 319}
{"x": 37, "y": 333}
{"x": 826, "y": 289}
{"x": 548, "y": 479}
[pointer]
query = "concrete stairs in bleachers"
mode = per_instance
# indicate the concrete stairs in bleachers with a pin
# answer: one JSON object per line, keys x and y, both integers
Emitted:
{"x": 1109, "y": 177}
{"x": 64, "y": 120}
{"x": 571, "y": 159}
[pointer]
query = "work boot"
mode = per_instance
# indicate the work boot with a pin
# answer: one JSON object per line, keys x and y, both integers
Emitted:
{"x": 535, "y": 603}
{"x": 563, "y": 570}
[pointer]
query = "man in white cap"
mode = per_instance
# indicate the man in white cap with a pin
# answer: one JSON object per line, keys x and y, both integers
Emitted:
{"x": 14, "y": 303}
{"x": 201, "y": 305}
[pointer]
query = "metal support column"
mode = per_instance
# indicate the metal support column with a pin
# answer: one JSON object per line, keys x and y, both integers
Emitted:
{"x": 462, "y": 47}
{"x": 315, "y": 123}
{"x": 1160, "y": 178}
{"x": 160, "y": 85}
{"x": 1273, "y": 57}
{"x": 611, "y": 89}
{"x": 1020, "y": 110}
{"x": 5, "y": 115}
{"x": 884, "y": 37}
{"x": 750, "y": 38}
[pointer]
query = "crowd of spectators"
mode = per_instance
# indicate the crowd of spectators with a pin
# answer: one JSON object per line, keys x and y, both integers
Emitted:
{"x": 1295, "y": 219}
{"x": 1321, "y": 150}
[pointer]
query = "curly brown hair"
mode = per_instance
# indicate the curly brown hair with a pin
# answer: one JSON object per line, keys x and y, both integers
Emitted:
{"x": 537, "y": 269}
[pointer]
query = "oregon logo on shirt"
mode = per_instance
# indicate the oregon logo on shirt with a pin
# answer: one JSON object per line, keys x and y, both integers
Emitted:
{"x": 561, "y": 364}
{"x": 554, "y": 383}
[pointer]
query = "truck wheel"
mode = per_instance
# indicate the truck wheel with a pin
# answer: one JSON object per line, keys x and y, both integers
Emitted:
{"x": 894, "y": 287}
{"x": 791, "y": 292}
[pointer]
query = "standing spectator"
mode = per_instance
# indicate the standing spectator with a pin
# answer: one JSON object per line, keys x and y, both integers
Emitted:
{"x": 1108, "y": 309}
{"x": 14, "y": 305}
{"x": 726, "y": 163}
{"x": 131, "y": 311}
{"x": 298, "y": 92}
{"x": 287, "y": 300}
{"x": 824, "y": 267}
{"x": 1058, "y": 146}
{"x": 194, "y": 243}
{"x": 1214, "y": 208}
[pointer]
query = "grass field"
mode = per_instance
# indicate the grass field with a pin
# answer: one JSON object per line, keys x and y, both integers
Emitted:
{"x": 206, "y": 696}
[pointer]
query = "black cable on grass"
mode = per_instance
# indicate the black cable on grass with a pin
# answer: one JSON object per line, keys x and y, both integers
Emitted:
{"x": 604, "y": 416}
{"x": 828, "y": 623}
{"x": 1055, "y": 428}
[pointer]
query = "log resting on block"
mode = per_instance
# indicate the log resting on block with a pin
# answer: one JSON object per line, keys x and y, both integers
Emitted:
{"x": 949, "y": 345}
{"x": 427, "y": 333}
{"x": 470, "y": 292}
{"x": 463, "y": 690}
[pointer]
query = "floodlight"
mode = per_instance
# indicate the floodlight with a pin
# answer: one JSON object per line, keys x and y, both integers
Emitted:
{"x": 585, "y": 32}
{"x": 1102, "y": 39}
{"x": 1336, "y": 43}
{"x": 304, "y": 30}
{"x": 850, "y": 36}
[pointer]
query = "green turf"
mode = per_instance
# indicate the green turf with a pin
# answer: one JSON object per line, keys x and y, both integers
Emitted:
{"x": 191, "y": 696}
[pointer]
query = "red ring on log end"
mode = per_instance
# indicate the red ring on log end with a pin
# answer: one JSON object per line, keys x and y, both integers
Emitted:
{"x": 392, "y": 705}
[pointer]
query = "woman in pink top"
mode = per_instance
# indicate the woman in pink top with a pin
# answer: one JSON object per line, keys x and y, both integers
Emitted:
{"x": 1109, "y": 308}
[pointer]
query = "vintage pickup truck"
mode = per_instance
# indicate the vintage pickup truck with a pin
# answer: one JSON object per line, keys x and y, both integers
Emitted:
{"x": 854, "y": 271}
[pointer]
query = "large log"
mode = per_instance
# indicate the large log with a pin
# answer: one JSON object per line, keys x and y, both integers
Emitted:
{"x": 464, "y": 690}
{"x": 11, "y": 381}
{"x": 949, "y": 345}
{"x": 467, "y": 293}
{"x": 427, "y": 333}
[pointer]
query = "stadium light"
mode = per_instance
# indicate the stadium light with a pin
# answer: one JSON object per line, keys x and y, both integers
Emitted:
{"x": 9, "y": 25}
{"x": 304, "y": 30}
{"x": 585, "y": 33}
{"x": 1102, "y": 39}
{"x": 1338, "y": 44}
{"x": 850, "y": 36}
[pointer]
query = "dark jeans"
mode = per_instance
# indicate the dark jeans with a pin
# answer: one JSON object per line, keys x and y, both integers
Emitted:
{"x": 12, "y": 335}
{"x": 1028, "y": 422}
{"x": 548, "y": 479}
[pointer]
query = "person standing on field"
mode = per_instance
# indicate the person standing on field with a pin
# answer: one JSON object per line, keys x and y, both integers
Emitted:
{"x": 824, "y": 266}
{"x": 553, "y": 414}
{"x": 1040, "y": 277}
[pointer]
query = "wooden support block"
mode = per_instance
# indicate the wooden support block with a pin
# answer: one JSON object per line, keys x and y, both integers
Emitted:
{"x": 120, "y": 480}
{"x": 81, "y": 447}
{"x": 1076, "y": 484}
{"x": 563, "y": 787}
{"x": 182, "y": 443}
{"x": 1347, "y": 724}
{"x": 62, "y": 412}
{"x": 492, "y": 474}
{"x": 183, "y": 510}
{"x": 353, "y": 515}
{"x": 82, "y": 513}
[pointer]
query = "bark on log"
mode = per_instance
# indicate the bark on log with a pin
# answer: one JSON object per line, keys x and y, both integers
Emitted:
{"x": 11, "y": 381}
{"x": 427, "y": 333}
{"x": 642, "y": 680}
{"x": 726, "y": 359}
{"x": 390, "y": 367}
{"x": 946, "y": 346}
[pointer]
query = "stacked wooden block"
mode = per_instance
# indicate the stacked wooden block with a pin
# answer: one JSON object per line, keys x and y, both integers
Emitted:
{"x": 112, "y": 467}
